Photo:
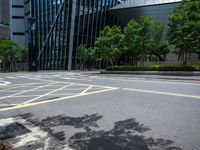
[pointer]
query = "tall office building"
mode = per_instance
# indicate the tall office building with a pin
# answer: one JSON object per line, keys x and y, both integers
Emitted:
{"x": 17, "y": 22}
{"x": 62, "y": 25}
{"x": 56, "y": 28}
{"x": 4, "y": 19}
{"x": 12, "y": 20}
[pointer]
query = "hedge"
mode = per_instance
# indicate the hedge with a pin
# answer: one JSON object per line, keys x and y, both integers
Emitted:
{"x": 155, "y": 68}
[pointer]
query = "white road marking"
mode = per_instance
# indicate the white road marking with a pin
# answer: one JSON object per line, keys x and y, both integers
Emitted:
{"x": 84, "y": 84}
{"x": 65, "y": 78}
{"x": 11, "y": 77}
{"x": 16, "y": 86}
{"x": 55, "y": 100}
{"x": 48, "y": 93}
{"x": 27, "y": 91}
{"x": 4, "y": 90}
{"x": 148, "y": 81}
{"x": 6, "y": 105}
{"x": 163, "y": 93}
{"x": 59, "y": 94}
{"x": 4, "y": 83}
{"x": 87, "y": 89}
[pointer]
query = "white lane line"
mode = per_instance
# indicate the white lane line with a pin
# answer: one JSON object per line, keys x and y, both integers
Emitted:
{"x": 83, "y": 84}
{"x": 16, "y": 86}
{"x": 48, "y": 93}
{"x": 55, "y": 100}
{"x": 11, "y": 77}
{"x": 21, "y": 76}
{"x": 59, "y": 94}
{"x": 87, "y": 89}
{"x": 7, "y": 105}
{"x": 27, "y": 91}
{"x": 74, "y": 79}
{"x": 163, "y": 93}
{"x": 4, "y": 83}
{"x": 147, "y": 81}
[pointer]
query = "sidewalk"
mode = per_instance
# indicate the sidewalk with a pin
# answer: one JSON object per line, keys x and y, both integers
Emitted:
{"x": 168, "y": 73}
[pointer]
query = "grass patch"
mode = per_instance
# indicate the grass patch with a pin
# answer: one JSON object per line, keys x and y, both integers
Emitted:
{"x": 155, "y": 68}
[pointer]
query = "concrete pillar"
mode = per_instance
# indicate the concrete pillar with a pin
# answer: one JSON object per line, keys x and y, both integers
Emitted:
{"x": 71, "y": 40}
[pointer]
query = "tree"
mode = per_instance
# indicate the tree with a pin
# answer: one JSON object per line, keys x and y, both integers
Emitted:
{"x": 153, "y": 33}
{"x": 143, "y": 40}
{"x": 184, "y": 29}
{"x": 108, "y": 44}
{"x": 131, "y": 39}
{"x": 86, "y": 56}
{"x": 10, "y": 52}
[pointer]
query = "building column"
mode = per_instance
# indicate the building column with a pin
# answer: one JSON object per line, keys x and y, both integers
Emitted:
{"x": 71, "y": 38}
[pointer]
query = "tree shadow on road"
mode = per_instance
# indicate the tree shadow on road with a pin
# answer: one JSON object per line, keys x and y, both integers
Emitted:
{"x": 125, "y": 135}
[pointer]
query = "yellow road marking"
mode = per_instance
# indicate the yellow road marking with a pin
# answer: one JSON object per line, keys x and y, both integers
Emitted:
{"x": 20, "y": 85}
{"x": 22, "y": 105}
{"x": 32, "y": 103}
{"x": 87, "y": 89}
{"x": 48, "y": 93}
{"x": 83, "y": 84}
{"x": 25, "y": 91}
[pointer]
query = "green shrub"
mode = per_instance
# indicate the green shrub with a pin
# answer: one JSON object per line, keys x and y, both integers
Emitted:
{"x": 156, "y": 68}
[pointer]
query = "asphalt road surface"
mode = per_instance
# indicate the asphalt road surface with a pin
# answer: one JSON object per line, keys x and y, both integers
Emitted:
{"x": 90, "y": 111}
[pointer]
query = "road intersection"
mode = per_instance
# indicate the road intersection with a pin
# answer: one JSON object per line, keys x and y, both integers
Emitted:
{"x": 68, "y": 105}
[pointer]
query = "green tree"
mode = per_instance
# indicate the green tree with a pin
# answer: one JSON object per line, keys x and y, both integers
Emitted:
{"x": 87, "y": 56}
{"x": 109, "y": 44}
{"x": 154, "y": 36}
{"x": 184, "y": 29}
{"x": 143, "y": 40}
{"x": 131, "y": 40}
{"x": 10, "y": 52}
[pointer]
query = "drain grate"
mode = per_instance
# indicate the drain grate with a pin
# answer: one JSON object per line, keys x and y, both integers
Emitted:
{"x": 12, "y": 130}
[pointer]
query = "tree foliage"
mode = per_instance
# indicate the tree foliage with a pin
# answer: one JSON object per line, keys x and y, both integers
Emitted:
{"x": 143, "y": 40}
{"x": 10, "y": 52}
{"x": 131, "y": 39}
{"x": 140, "y": 41}
{"x": 87, "y": 56}
{"x": 109, "y": 43}
{"x": 184, "y": 29}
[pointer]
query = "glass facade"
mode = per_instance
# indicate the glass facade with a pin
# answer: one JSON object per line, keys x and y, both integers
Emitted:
{"x": 62, "y": 25}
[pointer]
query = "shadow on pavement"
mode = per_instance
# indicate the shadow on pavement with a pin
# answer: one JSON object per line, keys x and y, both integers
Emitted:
{"x": 125, "y": 135}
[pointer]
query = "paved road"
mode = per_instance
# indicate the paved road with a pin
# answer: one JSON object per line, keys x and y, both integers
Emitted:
{"x": 89, "y": 111}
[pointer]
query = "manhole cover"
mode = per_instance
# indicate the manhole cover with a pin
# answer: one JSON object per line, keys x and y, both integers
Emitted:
{"x": 12, "y": 130}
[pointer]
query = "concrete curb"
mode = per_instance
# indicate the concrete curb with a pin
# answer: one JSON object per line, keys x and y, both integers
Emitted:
{"x": 169, "y": 73}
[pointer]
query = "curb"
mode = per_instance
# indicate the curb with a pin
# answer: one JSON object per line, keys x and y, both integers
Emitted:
{"x": 168, "y": 73}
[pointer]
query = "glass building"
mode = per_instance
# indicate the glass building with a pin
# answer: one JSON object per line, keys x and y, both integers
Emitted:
{"x": 62, "y": 25}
